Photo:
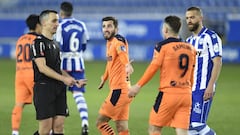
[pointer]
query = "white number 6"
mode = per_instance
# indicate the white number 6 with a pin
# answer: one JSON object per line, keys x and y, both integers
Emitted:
{"x": 74, "y": 42}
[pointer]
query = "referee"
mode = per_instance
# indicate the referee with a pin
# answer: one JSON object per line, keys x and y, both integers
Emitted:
{"x": 50, "y": 81}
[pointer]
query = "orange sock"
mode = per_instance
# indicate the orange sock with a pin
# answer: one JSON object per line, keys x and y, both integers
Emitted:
{"x": 16, "y": 117}
{"x": 126, "y": 132}
{"x": 105, "y": 129}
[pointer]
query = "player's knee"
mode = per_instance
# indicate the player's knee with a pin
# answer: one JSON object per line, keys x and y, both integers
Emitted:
{"x": 121, "y": 126}
{"x": 102, "y": 119}
{"x": 153, "y": 130}
{"x": 58, "y": 127}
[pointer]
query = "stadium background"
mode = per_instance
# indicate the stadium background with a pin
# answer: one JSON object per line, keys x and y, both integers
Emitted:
{"x": 140, "y": 21}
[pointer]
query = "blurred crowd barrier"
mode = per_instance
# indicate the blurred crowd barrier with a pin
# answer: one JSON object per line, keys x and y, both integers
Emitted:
{"x": 142, "y": 36}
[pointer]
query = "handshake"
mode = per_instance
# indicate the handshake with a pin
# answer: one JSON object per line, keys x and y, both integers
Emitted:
{"x": 70, "y": 81}
{"x": 80, "y": 83}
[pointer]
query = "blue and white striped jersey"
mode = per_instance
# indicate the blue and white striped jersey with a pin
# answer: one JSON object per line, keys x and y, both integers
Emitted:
{"x": 208, "y": 45}
{"x": 72, "y": 36}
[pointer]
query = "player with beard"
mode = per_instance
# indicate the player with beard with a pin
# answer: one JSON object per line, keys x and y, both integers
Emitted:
{"x": 207, "y": 69}
{"x": 118, "y": 70}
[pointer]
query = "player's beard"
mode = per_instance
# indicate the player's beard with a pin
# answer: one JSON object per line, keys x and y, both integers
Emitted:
{"x": 110, "y": 36}
{"x": 194, "y": 27}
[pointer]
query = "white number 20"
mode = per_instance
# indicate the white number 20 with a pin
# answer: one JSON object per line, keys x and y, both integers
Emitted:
{"x": 74, "y": 42}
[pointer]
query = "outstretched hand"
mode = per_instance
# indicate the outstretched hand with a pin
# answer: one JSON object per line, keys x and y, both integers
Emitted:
{"x": 80, "y": 83}
{"x": 101, "y": 84}
{"x": 133, "y": 91}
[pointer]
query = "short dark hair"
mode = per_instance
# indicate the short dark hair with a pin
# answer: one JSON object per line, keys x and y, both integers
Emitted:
{"x": 45, "y": 13}
{"x": 111, "y": 18}
{"x": 174, "y": 22}
{"x": 198, "y": 9}
{"x": 67, "y": 8}
{"x": 32, "y": 21}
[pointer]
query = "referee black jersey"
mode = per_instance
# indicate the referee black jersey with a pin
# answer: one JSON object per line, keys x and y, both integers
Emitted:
{"x": 44, "y": 47}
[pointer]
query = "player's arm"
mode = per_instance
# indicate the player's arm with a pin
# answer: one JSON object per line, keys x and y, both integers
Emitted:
{"x": 215, "y": 49}
{"x": 217, "y": 65}
{"x": 44, "y": 69}
{"x": 79, "y": 83}
{"x": 104, "y": 78}
{"x": 38, "y": 56}
{"x": 148, "y": 74}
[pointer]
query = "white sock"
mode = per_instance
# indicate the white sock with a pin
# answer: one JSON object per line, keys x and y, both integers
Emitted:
{"x": 14, "y": 132}
{"x": 82, "y": 107}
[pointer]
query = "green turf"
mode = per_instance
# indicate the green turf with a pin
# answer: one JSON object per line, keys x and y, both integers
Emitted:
{"x": 224, "y": 116}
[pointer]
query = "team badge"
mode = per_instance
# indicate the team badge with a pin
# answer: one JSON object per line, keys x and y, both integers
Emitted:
{"x": 123, "y": 48}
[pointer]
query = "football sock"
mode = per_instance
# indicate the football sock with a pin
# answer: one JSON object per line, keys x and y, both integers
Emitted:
{"x": 126, "y": 132}
{"x": 82, "y": 107}
{"x": 16, "y": 117}
{"x": 201, "y": 129}
{"x": 58, "y": 134}
{"x": 105, "y": 129}
{"x": 206, "y": 131}
{"x": 15, "y": 132}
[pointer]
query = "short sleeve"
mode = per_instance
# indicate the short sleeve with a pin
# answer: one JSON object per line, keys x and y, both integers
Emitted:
{"x": 38, "y": 49}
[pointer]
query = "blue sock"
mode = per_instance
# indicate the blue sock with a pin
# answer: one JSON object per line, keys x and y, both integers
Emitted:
{"x": 82, "y": 107}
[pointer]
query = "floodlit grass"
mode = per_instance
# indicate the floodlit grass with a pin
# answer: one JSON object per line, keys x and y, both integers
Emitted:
{"x": 224, "y": 116}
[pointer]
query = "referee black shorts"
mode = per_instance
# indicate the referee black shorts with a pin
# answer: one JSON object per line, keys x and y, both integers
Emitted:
{"x": 50, "y": 100}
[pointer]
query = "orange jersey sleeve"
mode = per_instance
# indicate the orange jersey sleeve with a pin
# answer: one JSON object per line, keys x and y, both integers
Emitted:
{"x": 148, "y": 74}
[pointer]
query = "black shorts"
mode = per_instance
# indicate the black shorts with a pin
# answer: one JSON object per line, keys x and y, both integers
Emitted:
{"x": 50, "y": 100}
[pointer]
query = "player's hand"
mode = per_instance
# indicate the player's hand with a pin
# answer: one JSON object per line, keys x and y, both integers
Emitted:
{"x": 69, "y": 81}
{"x": 80, "y": 83}
{"x": 129, "y": 68}
{"x": 101, "y": 84}
{"x": 133, "y": 91}
{"x": 208, "y": 93}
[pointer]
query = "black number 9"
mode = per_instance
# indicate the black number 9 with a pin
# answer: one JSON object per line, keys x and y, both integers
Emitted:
{"x": 183, "y": 63}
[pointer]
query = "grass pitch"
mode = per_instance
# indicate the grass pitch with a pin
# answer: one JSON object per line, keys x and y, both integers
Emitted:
{"x": 224, "y": 115}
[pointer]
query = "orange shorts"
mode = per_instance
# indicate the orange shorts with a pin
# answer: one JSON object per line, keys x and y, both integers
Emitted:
{"x": 172, "y": 110}
{"x": 116, "y": 105}
{"x": 24, "y": 87}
